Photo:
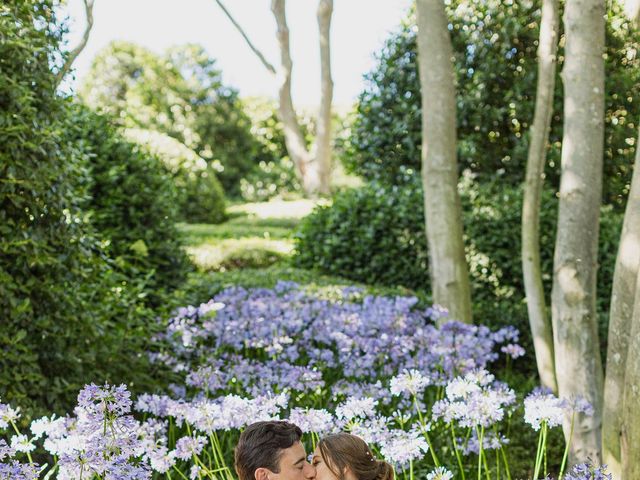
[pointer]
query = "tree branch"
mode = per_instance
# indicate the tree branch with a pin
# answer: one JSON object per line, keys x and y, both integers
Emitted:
{"x": 88, "y": 8}
{"x": 264, "y": 61}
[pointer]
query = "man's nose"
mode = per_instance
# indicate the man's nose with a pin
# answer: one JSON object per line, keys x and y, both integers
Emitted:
{"x": 310, "y": 471}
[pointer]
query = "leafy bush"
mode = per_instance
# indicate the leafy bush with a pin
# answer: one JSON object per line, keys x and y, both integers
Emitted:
{"x": 273, "y": 173}
{"x": 201, "y": 198}
{"x": 495, "y": 44}
{"x": 67, "y": 317}
{"x": 376, "y": 235}
{"x": 179, "y": 93}
{"x": 133, "y": 204}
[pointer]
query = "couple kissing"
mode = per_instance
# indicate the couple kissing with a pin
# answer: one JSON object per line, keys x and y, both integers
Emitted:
{"x": 273, "y": 450}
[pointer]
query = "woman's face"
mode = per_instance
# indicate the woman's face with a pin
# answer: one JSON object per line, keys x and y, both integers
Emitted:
{"x": 323, "y": 472}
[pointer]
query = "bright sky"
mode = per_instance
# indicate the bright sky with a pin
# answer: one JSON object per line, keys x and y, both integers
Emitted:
{"x": 358, "y": 30}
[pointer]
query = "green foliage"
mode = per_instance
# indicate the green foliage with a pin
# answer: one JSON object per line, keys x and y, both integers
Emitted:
{"x": 274, "y": 173}
{"x": 181, "y": 94}
{"x": 201, "y": 198}
{"x": 494, "y": 42}
{"x": 133, "y": 204}
{"x": 376, "y": 235}
{"x": 67, "y": 317}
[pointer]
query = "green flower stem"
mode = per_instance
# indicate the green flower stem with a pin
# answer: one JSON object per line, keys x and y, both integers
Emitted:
{"x": 455, "y": 449}
{"x": 181, "y": 474}
{"x": 481, "y": 440}
{"x": 18, "y": 432}
{"x": 506, "y": 463}
{"x": 540, "y": 450}
{"x": 546, "y": 432}
{"x": 425, "y": 433}
{"x": 566, "y": 448}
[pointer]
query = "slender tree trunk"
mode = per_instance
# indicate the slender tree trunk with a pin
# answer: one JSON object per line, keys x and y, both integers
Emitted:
{"x": 578, "y": 362}
{"x": 293, "y": 137}
{"x": 630, "y": 426}
{"x": 443, "y": 213}
{"x": 88, "y": 8}
{"x": 621, "y": 317}
{"x": 323, "y": 133}
{"x": 632, "y": 10}
{"x": 538, "y": 316}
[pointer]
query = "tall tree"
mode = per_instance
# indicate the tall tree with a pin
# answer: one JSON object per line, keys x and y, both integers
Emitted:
{"x": 73, "y": 54}
{"x": 578, "y": 363}
{"x": 313, "y": 167}
{"x": 443, "y": 213}
{"x": 539, "y": 136}
{"x": 621, "y": 317}
{"x": 630, "y": 430}
{"x": 632, "y": 10}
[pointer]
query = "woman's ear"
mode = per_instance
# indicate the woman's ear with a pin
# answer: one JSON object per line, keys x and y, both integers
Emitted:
{"x": 261, "y": 473}
{"x": 348, "y": 474}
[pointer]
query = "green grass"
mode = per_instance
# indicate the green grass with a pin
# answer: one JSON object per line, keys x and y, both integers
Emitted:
{"x": 256, "y": 235}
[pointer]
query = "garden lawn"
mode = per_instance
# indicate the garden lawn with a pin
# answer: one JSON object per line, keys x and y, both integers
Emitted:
{"x": 256, "y": 235}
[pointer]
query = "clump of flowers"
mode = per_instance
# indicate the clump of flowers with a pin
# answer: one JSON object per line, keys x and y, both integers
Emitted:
{"x": 585, "y": 471}
{"x": 379, "y": 367}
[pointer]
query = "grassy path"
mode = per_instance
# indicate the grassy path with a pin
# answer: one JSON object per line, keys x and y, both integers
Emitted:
{"x": 256, "y": 235}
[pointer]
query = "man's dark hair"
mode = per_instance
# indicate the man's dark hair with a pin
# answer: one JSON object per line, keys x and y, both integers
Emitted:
{"x": 261, "y": 444}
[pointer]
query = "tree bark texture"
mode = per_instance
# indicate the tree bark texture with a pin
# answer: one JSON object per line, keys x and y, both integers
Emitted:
{"x": 630, "y": 426}
{"x": 621, "y": 315}
{"x": 443, "y": 213}
{"x": 322, "y": 156}
{"x": 538, "y": 315}
{"x": 293, "y": 137}
{"x": 578, "y": 362}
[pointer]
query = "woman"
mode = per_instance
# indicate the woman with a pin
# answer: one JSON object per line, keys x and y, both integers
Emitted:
{"x": 342, "y": 456}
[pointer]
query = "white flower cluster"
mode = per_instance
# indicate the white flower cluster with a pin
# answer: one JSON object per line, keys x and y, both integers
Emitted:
{"x": 401, "y": 447}
{"x": 354, "y": 407}
{"x": 440, "y": 473}
{"x": 410, "y": 381}
{"x": 312, "y": 420}
{"x": 544, "y": 407}
{"x": 474, "y": 400}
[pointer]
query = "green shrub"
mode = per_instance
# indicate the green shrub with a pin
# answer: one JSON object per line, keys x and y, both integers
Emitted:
{"x": 179, "y": 93}
{"x": 66, "y": 316}
{"x": 495, "y": 44}
{"x": 133, "y": 205}
{"x": 376, "y": 235}
{"x": 201, "y": 198}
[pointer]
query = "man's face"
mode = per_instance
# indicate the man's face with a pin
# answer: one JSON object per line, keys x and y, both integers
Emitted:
{"x": 293, "y": 465}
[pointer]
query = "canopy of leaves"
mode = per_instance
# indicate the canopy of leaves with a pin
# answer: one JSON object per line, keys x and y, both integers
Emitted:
{"x": 495, "y": 45}
{"x": 179, "y": 93}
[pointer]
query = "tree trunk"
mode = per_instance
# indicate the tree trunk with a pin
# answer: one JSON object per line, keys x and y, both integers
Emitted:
{"x": 578, "y": 363}
{"x": 88, "y": 9}
{"x": 536, "y": 305}
{"x": 322, "y": 157}
{"x": 630, "y": 427}
{"x": 620, "y": 319}
{"x": 443, "y": 213}
{"x": 313, "y": 170}
{"x": 632, "y": 10}
{"x": 293, "y": 137}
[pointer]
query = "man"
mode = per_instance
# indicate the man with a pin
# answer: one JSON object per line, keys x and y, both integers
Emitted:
{"x": 272, "y": 451}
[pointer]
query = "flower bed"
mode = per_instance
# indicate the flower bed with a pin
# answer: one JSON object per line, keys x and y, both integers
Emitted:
{"x": 381, "y": 367}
